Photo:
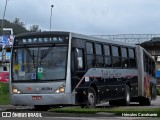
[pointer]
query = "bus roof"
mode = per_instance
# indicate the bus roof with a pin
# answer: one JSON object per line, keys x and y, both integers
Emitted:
{"x": 74, "y": 35}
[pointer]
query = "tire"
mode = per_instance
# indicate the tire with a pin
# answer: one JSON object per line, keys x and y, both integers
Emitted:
{"x": 91, "y": 98}
{"x": 127, "y": 97}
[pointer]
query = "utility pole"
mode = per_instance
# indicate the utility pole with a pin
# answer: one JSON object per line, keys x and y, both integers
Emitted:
{"x": 51, "y": 17}
{"x": 3, "y": 17}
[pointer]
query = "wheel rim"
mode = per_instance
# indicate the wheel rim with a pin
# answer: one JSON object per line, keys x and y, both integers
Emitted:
{"x": 91, "y": 98}
{"x": 128, "y": 97}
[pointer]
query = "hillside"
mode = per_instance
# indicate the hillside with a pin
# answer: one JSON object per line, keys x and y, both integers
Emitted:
{"x": 17, "y": 28}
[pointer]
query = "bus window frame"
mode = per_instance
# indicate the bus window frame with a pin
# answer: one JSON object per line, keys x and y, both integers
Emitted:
{"x": 125, "y": 59}
{"x": 132, "y": 58}
{"x": 117, "y": 57}
{"x": 99, "y": 55}
{"x": 90, "y": 54}
{"x": 76, "y": 59}
{"x": 35, "y": 81}
{"x": 107, "y": 55}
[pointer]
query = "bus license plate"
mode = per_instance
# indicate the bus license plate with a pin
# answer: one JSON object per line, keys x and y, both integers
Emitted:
{"x": 36, "y": 97}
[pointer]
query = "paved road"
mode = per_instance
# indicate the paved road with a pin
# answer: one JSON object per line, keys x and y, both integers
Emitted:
{"x": 23, "y": 111}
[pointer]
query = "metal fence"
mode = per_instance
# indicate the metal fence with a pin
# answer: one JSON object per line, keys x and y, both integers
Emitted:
{"x": 129, "y": 38}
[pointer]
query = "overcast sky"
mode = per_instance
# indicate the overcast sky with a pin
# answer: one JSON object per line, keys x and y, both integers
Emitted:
{"x": 92, "y": 17}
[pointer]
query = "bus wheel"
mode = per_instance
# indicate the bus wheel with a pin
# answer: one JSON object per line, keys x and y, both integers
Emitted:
{"x": 92, "y": 98}
{"x": 127, "y": 98}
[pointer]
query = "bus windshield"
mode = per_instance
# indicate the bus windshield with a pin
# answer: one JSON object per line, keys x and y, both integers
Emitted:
{"x": 39, "y": 63}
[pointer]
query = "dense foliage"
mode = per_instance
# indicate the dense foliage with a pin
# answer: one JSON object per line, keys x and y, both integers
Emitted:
{"x": 18, "y": 26}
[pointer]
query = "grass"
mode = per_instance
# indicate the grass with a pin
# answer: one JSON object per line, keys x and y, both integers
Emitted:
{"x": 4, "y": 94}
{"x": 116, "y": 111}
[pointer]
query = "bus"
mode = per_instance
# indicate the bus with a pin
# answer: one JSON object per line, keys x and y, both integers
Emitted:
{"x": 64, "y": 68}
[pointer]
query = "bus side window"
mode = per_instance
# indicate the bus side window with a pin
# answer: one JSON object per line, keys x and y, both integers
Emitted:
{"x": 90, "y": 55}
{"x": 116, "y": 57}
{"x": 107, "y": 53}
{"x": 132, "y": 58}
{"x": 149, "y": 65}
{"x": 145, "y": 63}
{"x": 153, "y": 68}
{"x": 125, "y": 60}
{"x": 79, "y": 59}
{"x": 99, "y": 57}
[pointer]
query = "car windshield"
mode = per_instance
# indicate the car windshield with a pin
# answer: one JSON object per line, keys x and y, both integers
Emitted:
{"x": 39, "y": 63}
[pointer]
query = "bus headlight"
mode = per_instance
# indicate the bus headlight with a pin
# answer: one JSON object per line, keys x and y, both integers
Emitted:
{"x": 15, "y": 90}
{"x": 61, "y": 89}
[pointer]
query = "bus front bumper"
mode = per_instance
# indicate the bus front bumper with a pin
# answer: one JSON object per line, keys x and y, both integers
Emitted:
{"x": 41, "y": 99}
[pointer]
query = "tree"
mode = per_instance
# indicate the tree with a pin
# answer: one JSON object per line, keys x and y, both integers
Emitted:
{"x": 18, "y": 26}
{"x": 18, "y": 22}
{"x": 34, "y": 28}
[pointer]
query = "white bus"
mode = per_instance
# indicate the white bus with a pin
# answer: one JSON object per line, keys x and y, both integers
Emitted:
{"x": 65, "y": 68}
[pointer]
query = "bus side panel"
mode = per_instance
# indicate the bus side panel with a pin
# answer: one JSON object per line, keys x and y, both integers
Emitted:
{"x": 146, "y": 80}
{"x": 141, "y": 71}
{"x": 109, "y": 84}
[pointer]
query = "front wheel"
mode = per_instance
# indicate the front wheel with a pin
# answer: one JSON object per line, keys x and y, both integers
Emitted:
{"x": 92, "y": 98}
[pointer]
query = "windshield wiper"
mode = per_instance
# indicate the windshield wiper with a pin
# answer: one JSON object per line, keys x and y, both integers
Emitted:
{"x": 32, "y": 56}
{"x": 33, "y": 60}
{"x": 45, "y": 53}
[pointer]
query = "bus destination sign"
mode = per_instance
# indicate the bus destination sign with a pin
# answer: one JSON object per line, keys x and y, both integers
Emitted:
{"x": 59, "y": 40}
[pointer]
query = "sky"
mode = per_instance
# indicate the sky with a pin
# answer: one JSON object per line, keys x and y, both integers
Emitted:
{"x": 91, "y": 17}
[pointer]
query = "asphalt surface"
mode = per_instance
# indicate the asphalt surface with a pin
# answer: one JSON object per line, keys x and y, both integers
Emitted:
{"x": 25, "y": 112}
